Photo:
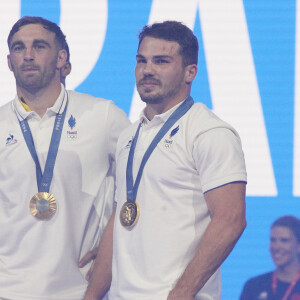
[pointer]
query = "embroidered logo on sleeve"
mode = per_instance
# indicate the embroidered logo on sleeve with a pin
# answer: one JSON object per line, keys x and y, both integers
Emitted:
{"x": 10, "y": 140}
{"x": 72, "y": 134}
{"x": 169, "y": 141}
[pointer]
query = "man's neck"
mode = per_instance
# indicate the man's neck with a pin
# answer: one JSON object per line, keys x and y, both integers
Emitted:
{"x": 41, "y": 100}
{"x": 153, "y": 109}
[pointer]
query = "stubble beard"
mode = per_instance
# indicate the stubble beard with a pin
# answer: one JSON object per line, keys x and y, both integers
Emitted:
{"x": 33, "y": 84}
{"x": 150, "y": 99}
{"x": 165, "y": 93}
{"x": 147, "y": 95}
{"x": 158, "y": 97}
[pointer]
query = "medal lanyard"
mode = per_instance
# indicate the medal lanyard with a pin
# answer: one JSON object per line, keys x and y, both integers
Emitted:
{"x": 44, "y": 179}
{"x": 175, "y": 116}
{"x": 290, "y": 288}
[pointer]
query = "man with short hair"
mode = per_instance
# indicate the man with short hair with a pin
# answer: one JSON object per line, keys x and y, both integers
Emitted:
{"x": 180, "y": 184}
{"x": 57, "y": 157}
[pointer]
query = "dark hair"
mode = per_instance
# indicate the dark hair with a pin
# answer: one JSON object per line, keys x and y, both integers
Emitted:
{"x": 290, "y": 222}
{"x": 59, "y": 36}
{"x": 175, "y": 32}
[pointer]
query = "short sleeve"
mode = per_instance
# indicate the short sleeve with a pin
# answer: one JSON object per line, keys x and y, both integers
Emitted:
{"x": 219, "y": 158}
{"x": 117, "y": 122}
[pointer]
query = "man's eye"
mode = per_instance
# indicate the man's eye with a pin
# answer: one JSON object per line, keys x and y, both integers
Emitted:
{"x": 140, "y": 61}
{"x": 39, "y": 46}
{"x": 285, "y": 240}
{"x": 161, "y": 61}
{"x": 17, "y": 48}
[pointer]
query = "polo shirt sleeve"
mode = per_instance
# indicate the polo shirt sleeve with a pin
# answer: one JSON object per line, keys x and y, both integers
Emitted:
{"x": 219, "y": 158}
{"x": 117, "y": 121}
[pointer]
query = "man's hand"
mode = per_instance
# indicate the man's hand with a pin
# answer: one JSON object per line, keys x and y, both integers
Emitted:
{"x": 91, "y": 255}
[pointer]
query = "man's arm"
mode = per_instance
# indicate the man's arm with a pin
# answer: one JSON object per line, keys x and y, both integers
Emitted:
{"x": 90, "y": 256}
{"x": 227, "y": 208}
{"x": 101, "y": 276}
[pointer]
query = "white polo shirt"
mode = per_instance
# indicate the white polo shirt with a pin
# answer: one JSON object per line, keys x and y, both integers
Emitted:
{"x": 38, "y": 259}
{"x": 200, "y": 154}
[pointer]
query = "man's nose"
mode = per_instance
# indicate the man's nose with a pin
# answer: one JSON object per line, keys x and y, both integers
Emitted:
{"x": 148, "y": 68}
{"x": 28, "y": 54}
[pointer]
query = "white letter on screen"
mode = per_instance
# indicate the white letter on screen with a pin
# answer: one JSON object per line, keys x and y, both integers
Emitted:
{"x": 84, "y": 23}
{"x": 10, "y": 13}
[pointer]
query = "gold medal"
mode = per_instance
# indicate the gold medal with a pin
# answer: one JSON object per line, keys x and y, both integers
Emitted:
{"x": 43, "y": 206}
{"x": 129, "y": 214}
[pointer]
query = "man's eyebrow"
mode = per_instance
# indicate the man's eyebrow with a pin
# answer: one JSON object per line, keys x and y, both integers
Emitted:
{"x": 155, "y": 56}
{"x": 37, "y": 41}
{"x": 16, "y": 43}
{"x": 41, "y": 41}
{"x": 163, "y": 56}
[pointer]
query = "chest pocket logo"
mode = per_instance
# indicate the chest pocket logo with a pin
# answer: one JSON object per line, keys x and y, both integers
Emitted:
{"x": 10, "y": 140}
{"x": 168, "y": 142}
{"x": 72, "y": 134}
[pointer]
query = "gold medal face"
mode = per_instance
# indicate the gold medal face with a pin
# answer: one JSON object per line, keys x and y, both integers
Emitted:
{"x": 43, "y": 206}
{"x": 129, "y": 214}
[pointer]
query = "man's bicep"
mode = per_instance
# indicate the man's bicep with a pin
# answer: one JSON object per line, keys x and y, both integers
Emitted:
{"x": 227, "y": 201}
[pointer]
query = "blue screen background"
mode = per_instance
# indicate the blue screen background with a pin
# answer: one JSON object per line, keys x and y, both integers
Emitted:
{"x": 272, "y": 33}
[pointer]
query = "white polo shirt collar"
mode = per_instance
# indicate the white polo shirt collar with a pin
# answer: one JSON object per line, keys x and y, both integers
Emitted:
{"x": 157, "y": 119}
{"x": 58, "y": 106}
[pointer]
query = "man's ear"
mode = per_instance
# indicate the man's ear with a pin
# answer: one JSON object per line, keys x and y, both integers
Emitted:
{"x": 190, "y": 73}
{"x": 8, "y": 62}
{"x": 66, "y": 69}
{"x": 61, "y": 58}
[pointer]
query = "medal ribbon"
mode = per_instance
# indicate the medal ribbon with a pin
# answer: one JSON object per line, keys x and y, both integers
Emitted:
{"x": 175, "y": 116}
{"x": 290, "y": 288}
{"x": 44, "y": 179}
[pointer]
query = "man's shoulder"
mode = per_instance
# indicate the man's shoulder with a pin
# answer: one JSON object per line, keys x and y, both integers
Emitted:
{"x": 203, "y": 114}
{"x": 5, "y": 108}
{"x": 201, "y": 119}
{"x": 98, "y": 105}
{"x": 77, "y": 96}
{"x": 99, "y": 111}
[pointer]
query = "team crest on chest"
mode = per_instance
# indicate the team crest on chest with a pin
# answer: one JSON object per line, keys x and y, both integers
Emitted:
{"x": 72, "y": 134}
{"x": 168, "y": 142}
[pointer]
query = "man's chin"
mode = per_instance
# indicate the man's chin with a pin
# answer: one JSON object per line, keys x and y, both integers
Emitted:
{"x": 31, "y": 88}
{"x": 150, "y": 98}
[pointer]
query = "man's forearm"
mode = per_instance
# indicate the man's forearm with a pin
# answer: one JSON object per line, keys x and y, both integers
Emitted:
{"x": 215, "y": 246}
{"x": 228, "y": 222}
{"x": 101, "y": 276}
